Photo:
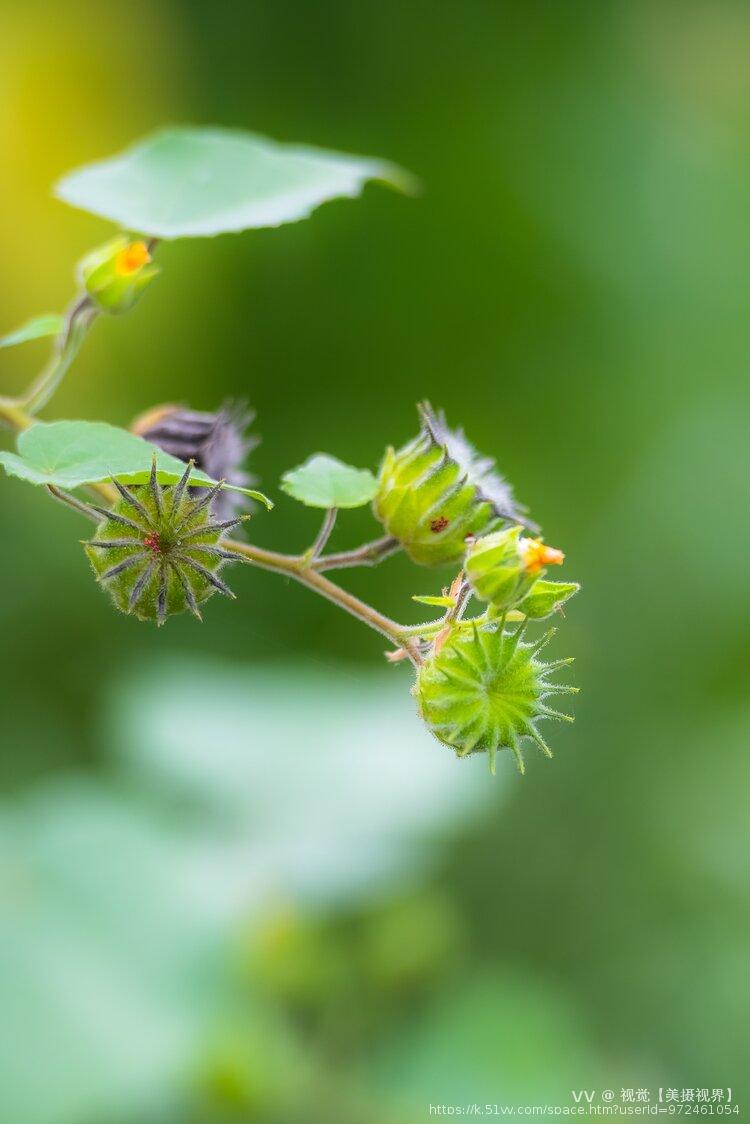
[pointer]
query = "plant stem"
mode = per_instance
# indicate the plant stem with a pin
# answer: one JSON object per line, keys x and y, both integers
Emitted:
{"x": 13, "y": 416}
{"x": 324, "y": 534}
{"x": 430, "y": 628}
{"x": 368, "y": 555}
{"x": 301, "y": 571}
{"x": 79, "y": 320}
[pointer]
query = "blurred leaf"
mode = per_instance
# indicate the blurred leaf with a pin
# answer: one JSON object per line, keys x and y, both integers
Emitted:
{"x": 439, "y": 602}
{"x": 72, "y": 453}
{"x": 324, "y": 481}
{"x": 194, "y": 182}
{"x": 498, "y": 1039}
{"x": 413, "y": 940}
{"x": 114, "y": 916}
{"x": 48, "y": 324}
{"x": 324, "y": 783}
{"x": 109, "y": 938}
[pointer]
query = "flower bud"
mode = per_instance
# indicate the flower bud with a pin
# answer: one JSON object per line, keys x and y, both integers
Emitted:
{"x": 115, "y": 273}
{"x": 438, "y": 490}
{"x": 546, "y": 597}
{"x": 484, "y": 690}
{"x": 503, "y": 567}
{"x": 158, "y": 551}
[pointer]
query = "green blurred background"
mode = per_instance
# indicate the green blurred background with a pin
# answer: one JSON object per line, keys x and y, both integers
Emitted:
{"x": 237, "y": 881}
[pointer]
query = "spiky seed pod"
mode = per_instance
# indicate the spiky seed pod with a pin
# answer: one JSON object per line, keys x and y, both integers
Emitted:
{"x": 438, "y": 490}
{"x": 158, "y": 551}
{"x": 484, "y": 690}
{"x": 503, "y": 567}
{"x": 217, "y": 442}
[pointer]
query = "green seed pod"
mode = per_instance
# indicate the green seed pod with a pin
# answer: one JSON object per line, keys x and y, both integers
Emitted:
{"x": 484, "y": 690}
{"x": 503, "y": 567}
{"x": 158, "y": 551}
{"x": 114, "y": 274}
{"x": 438, "y": 490}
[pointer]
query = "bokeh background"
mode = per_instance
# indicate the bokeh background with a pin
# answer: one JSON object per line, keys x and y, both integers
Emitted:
{"x": 237, "y": 881}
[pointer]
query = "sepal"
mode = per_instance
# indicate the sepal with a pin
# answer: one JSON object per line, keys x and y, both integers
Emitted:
{"x": 546, "y": 598}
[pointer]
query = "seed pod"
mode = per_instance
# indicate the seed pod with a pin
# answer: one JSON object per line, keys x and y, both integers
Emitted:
{"x": 217, "y": 442}
{"x": 484, "y": 690}
{"x": 503, "y": 567}
{"x": 158, "y": 551}
{"x": 438, "y": 490}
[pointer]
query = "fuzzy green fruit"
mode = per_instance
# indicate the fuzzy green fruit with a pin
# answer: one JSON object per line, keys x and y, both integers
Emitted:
{"x": 437, "y": 491}
{"x": 158, "y": 552}
{"x": 484, "y": 690}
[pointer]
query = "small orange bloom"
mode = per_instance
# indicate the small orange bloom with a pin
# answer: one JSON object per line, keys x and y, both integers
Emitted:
{"x": 131, "y": 259}
{"x": 536, "y": 555}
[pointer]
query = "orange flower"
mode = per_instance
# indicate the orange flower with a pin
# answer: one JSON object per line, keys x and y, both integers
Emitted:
{"x": 536, "y": 555}
{"x": 131, "y": 259}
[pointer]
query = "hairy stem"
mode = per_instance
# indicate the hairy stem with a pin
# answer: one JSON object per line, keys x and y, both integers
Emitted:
{"x": 13, "y": 416}
{"x": 17, "y": 413}
{"x": 368, "y": 555}
{"x": 79, "y": 320}
{"x": 324, "y": 534}
{"x": 431, "y": 628}
{"x": 301, "y": 571}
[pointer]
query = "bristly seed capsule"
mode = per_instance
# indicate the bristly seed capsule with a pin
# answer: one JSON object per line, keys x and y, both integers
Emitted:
{"x": 482, "y": 690}
{"x": 158, "y": 550}
{"x": 437, "y": 490}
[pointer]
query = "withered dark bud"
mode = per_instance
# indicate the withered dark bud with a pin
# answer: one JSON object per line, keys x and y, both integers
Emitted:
{"x": 217, "y": 442}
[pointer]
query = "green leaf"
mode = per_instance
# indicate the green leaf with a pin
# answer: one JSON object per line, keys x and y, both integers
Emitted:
{"x": 440, "y": 602}
{"x": 76, "y": 954}
{"x": 470, "y": 1044}
{"x": 72, "y": 453}
{"x": 324, "y": 481}
{"x": 186, "y": 182}
{"x": 181, "y": 725}
{"x": 48, "y": 324}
